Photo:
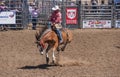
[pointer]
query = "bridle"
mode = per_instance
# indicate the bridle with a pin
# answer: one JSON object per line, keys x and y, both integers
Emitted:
{"x": 40, "y": 45}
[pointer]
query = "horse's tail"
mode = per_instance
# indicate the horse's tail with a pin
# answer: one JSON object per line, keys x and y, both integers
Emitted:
{"x": 69, "y": 35}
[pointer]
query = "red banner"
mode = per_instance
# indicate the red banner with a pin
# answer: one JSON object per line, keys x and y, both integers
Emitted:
{"x": 71, "y": 15}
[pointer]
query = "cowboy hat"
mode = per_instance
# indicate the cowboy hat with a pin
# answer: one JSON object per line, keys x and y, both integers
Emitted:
{"x": 2, "y": 3}
{"x": 56, "y": 7}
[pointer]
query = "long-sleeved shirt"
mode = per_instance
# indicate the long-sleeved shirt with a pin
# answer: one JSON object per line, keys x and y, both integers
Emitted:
{"x": 35, "y": 13}
{"x": 2, "y": 8}
{"x": 56, "y": 17}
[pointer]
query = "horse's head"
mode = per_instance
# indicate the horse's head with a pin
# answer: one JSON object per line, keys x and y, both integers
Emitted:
{"x": 40, "y": 46}
{"x": 39, "y": 42}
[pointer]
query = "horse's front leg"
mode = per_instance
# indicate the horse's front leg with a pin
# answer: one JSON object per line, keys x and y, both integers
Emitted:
{"x": 47, "y": 58}
{"x": 53, "y": 56}
{"x": 64, "y": 46}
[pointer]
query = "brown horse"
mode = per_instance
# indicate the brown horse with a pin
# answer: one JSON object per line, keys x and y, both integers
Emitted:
{"x": 47, "y": 39}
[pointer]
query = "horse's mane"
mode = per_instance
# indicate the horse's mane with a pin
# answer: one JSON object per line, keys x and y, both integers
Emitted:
{"x": 41, "y": 33}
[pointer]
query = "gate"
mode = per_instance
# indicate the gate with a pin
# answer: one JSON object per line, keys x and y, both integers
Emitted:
{"x": 45, "y": 10}
{"x": 19, "y": 9}
{"x": 97, "y": 16}
{"x": 117, "y": 16}
{"x": 88, "y": 16}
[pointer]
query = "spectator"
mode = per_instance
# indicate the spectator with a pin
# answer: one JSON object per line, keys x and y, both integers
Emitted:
{"x": 3, "y": 7}
{"x": 102, "y": 6}
{"x": 86, "y": 6}
{"x": 72, "y": 4}
{"x": 110, "y": 2}
{"x": 94, "y": 3}
{"x": 118, "y": 5}
{"x": 34, "y": 15}
{"x": 31, "y": 8}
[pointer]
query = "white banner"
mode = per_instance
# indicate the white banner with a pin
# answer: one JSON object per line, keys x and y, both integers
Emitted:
{"x": 96, "y": 23}
{"x": 7, "y": 17}
{"x": 117, "y": 24}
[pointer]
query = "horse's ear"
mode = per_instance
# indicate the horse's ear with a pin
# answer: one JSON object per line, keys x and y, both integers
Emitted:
{"x": 41, "y": 31}
{"x": 36, "y": 36}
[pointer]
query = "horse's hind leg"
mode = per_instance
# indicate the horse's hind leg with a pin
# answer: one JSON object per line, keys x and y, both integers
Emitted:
{"x": 47, "y": 57}
{"x": 63, "y": 48}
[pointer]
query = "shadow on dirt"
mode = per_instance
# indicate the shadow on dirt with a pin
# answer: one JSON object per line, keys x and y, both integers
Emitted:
{"x": 43, "y": 66}
{"x": 117, "y": 47}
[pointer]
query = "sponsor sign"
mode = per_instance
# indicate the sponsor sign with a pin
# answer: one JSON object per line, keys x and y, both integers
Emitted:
{"x": 97, "y": 24}
{"x": 117, "y": 24}
{"x": 71, "y": 15}
{"x": 7, "y": 17}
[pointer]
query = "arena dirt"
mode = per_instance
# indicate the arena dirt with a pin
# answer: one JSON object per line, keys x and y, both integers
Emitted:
{"x": 92, "y": 53}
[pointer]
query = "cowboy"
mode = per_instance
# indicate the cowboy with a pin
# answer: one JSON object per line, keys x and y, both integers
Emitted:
{"x": 34, "y": 15}
{"x": 56, "y": 22}
{"x": 2, "y": 7}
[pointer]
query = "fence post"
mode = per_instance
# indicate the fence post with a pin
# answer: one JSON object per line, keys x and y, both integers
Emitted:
{"x": 113, "y": 15}
{"x": 63, "y": 14}
{"x": 79, "y": 13}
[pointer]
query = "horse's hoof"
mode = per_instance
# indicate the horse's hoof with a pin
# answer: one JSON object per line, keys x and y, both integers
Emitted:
{"x": 53, "y": 62}
{"x": 58, "y": 49}
{"x": 62, "y": 49}
{"x": 42, "y": 53}
{"x": 47, "y": 60}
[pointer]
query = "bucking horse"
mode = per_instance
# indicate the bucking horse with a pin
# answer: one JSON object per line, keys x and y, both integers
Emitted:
{"x": 47, "y": 39}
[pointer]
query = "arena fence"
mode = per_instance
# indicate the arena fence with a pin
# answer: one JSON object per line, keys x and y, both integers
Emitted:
{"x": 75, "y": 15}
{"x": 97, "y": 16}
{"x": 15, "y": 16}
{"x": 45, "y": 10}
{"x": 117, "y": 16}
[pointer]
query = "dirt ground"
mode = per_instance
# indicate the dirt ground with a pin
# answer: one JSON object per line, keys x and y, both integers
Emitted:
{"x": 92, "y": 53}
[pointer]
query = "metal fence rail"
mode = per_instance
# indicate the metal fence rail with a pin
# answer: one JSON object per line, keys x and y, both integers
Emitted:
{"x": 45, "y": 9}
{"x": 20, "y": 8}
{"x": 100, "y": 13}
{"x": 97, "y": 12}
{"x": 108, "y": 13}
{"x": 117, "y": 16}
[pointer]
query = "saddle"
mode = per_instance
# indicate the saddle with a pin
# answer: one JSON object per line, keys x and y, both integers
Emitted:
{"x": 54, "y": 27}
{"x": 62, "y": 30}
{"x": 55, "y": 30}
